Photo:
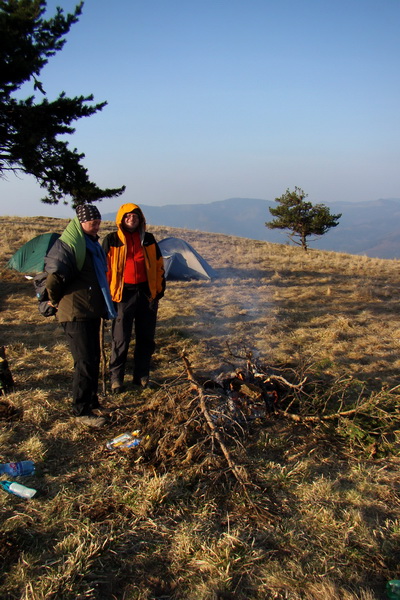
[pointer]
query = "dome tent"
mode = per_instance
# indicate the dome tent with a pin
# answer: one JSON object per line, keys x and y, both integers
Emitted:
{"x": 182, "y": 261}
{"x": 29, "y": 258}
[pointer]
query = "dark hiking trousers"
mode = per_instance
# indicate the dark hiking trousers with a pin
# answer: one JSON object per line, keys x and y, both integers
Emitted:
{"x": 134, "y": 311}
{"x": 83, "y": 339}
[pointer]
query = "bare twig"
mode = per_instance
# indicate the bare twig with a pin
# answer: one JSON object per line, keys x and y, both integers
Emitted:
{"x": 103, "y": 358}
{"x": 293, "y": 386}
{"x": 331, "y": 417}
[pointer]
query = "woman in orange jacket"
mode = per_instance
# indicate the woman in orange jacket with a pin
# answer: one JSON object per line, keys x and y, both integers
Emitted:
{"x": 137, "y": 282}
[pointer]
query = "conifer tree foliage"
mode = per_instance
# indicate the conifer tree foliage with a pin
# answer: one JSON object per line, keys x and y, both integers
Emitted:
{"x": 32, "y": 130}
{"x": 302, "y": 218}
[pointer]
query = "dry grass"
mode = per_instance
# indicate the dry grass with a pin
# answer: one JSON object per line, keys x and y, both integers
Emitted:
{"x": 320, "y": 519}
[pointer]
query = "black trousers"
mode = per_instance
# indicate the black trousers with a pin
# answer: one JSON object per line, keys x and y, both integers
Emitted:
{"x": 134, "y": 311}
{"x": 83, "y": 338}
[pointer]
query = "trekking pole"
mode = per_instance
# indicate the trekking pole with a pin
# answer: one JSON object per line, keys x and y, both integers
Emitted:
{"x": 103, "y": 357}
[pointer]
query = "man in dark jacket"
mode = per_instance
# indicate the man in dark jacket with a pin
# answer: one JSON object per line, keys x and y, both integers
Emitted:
{"x": 76, "y": 284}
{"x": 136, "y": 277}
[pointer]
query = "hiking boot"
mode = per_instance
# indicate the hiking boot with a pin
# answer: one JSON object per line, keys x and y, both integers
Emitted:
{"x": 91, "y": 421}
{"x": 117, "y": 388}
{"x": 141, "y": 382}
{"x": 95, "y": 406}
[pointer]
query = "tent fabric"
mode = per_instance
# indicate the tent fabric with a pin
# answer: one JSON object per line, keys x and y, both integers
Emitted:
{"x": 30, "y": 257}
{"x": 182, "y": 261}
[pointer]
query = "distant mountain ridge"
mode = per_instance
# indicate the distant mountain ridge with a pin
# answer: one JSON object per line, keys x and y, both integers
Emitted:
{"x": 368, "y": 228}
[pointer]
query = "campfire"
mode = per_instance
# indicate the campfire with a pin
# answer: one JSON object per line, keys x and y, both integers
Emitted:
{"x": 202, "y": 422}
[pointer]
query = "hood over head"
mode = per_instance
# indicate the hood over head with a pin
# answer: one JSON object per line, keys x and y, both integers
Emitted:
{"x": 127, "y": 208}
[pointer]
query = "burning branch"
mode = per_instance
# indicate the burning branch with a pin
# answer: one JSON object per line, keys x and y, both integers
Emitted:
{"x": 238, "y": 471}
{"x": 253, "y": 370}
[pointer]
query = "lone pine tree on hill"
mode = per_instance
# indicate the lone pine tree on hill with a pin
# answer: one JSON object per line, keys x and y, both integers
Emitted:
{"x": 30, "y": 129}
{"x": 302, "y": 218}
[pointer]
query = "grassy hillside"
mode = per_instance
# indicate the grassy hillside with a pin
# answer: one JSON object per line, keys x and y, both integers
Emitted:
{"x": 301, "y": 503}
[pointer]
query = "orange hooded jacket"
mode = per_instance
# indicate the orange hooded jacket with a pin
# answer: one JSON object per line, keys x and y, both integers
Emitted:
{"x": 115, "y": 247}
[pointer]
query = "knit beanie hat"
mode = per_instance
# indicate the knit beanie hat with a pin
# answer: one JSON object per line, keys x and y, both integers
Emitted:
{"x": 87, "y": 212}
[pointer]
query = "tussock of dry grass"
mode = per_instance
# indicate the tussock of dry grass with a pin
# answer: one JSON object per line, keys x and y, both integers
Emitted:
{"x": 320, "y": 519}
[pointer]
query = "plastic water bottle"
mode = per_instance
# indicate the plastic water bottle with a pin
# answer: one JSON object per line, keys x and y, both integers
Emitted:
{"x": 18, "y": 469}
{"x": 17, "y": 489}
{"x": 125, "y": 441}
{"x": 393, "y": 589}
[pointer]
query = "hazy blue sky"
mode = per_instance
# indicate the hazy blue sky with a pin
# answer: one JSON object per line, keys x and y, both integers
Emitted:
{"x": 212, "y": 99}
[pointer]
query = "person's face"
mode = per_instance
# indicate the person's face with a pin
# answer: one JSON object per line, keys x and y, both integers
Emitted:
{"x": 130, "y": 222}
{"x": 91, "y": 227}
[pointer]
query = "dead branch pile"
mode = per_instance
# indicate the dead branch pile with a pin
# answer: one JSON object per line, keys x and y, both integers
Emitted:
{"x": 206, "y": 425}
